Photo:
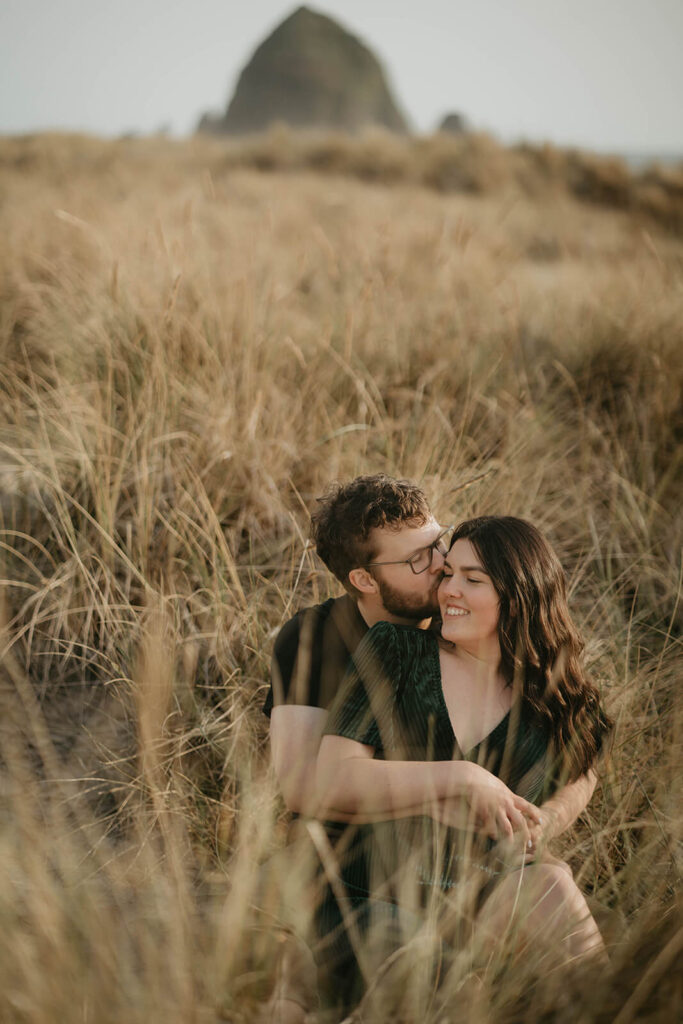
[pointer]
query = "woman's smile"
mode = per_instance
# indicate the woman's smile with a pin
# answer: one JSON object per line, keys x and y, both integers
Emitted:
{"x": 468, "y": 599}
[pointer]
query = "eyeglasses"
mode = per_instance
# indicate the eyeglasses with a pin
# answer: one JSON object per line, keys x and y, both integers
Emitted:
{"x": 422, "y": 559}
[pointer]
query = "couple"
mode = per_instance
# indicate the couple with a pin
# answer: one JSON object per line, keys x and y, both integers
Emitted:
{"x": 452, "y": 750}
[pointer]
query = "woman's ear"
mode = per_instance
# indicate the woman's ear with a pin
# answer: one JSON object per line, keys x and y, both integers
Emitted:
{"x": 362, "y": 580}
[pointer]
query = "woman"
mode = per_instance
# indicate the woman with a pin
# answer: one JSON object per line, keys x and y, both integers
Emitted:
{"x": 502, "y": 688}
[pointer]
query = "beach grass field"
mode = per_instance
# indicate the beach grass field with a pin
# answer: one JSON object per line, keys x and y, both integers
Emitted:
{"x": 195, "y": 339}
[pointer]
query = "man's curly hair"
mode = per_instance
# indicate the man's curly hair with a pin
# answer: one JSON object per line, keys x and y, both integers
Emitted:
{"x": 347, "y": 513}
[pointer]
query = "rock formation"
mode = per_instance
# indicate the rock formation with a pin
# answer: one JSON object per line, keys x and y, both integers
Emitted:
{"x": 453, "y": 124}
{"x": 310, "y": 73}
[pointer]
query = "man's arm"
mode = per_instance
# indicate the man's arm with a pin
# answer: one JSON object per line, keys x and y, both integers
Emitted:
{"x": 357, "y": 788}
{"x": 344, "y": 783}
{"x": 459, "y": 793}
{"x": 397, "y": 788}
{"x": 295, "y": 734}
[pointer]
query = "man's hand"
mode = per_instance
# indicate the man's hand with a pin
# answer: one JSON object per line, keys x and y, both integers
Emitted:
{"x": 542, "y": 832}
{"x": 488, "y": 806}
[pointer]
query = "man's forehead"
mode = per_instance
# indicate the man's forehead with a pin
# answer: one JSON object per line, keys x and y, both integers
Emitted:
{"x": 402, "y": 541}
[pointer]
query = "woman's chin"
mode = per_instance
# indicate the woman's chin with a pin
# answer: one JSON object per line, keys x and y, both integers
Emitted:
{"x": 451, "y": 632}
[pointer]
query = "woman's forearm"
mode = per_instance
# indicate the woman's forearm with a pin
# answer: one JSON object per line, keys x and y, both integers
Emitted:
{"x": 564, "y": 807}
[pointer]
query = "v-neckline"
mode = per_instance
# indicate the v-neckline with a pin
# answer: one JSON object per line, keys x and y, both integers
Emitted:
{"x": 465, "y": 754}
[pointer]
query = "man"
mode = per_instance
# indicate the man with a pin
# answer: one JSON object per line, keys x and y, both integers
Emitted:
{"x": 379, "y": 538}
{"x": 371, "y": 520}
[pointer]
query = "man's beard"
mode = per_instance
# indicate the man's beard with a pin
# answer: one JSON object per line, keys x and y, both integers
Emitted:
{"x": 408, "y": 606}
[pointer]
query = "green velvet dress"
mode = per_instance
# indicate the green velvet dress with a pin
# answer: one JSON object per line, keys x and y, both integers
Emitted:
{"x": 393, "y": 701}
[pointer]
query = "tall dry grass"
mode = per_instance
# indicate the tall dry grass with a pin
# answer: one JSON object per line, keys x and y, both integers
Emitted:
{"x": 191, "y": 350}
{"x": 471, "y": 163}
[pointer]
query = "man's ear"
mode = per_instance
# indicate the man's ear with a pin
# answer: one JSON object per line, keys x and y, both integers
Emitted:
{"x": 363, "y": 581}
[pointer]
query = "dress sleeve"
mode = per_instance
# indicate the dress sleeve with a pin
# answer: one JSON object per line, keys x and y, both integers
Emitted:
{"x": 364, "y": 707}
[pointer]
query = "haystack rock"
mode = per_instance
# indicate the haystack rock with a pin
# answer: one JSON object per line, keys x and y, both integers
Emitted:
{"x": 310, "y": 73}
{"x": 454, "y": 124}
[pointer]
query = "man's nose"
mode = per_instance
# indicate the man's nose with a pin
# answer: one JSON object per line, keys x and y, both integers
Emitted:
{"x": 438, "y": 559}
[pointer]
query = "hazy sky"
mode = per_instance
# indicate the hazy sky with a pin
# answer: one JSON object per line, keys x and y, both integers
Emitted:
{"x": 606, "y": 74}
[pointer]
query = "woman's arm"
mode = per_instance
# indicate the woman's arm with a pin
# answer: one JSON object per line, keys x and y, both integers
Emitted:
{"x": 564, "y": 807}
{"x": 350, "y": 782}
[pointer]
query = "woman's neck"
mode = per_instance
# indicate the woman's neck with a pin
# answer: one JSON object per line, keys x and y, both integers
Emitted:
{"x": 484, "y": 658}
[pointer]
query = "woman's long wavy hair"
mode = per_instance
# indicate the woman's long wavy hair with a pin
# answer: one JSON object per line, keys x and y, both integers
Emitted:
{"x": 540, "y": 646}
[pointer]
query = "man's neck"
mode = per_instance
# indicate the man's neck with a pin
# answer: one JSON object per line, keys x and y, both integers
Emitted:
{"x": 371, "y": 613}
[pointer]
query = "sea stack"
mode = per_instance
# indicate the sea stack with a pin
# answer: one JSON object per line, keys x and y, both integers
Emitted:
{"x": 310, "y": 73}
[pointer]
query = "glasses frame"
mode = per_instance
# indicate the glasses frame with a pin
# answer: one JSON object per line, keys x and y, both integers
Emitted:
{"x": 409, "y": 561}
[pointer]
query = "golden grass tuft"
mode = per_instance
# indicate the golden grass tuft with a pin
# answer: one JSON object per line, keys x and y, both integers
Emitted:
{"x": 191, "y": 350}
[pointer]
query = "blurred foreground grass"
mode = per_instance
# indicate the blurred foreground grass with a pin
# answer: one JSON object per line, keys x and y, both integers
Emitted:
{"x": 191, "y": 350}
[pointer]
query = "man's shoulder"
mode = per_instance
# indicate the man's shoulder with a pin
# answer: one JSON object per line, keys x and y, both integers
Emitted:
{"x": 314, "y": 613}
{"x": 312, "y": 622}
{"x": 311, "y": 652}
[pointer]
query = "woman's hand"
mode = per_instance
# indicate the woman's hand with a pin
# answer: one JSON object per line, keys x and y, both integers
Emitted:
{"x": 543, "y": 831}
{"x": 487, "y": 805}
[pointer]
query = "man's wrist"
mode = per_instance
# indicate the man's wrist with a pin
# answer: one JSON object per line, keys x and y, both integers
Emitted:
{"x": 456, "y": 778}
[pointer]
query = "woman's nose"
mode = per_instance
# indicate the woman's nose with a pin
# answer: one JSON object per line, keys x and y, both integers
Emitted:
{"x": 450, "y": 586}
